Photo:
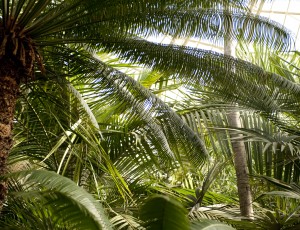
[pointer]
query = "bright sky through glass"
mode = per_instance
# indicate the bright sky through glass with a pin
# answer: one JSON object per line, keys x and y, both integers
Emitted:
{"x": 285, "y": 12}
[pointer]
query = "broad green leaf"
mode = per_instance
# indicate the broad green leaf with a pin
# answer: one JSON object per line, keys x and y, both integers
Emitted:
{"x": 82, "y": 205}
{"x": 164, "y": 213}
{"x": 210, "y": 225}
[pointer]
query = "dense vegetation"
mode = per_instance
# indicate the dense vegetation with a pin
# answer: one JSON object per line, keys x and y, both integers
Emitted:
{"x": 100, "y": 128}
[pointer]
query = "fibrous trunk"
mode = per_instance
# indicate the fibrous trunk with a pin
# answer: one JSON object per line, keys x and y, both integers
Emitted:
{"x": 9, "y": 89}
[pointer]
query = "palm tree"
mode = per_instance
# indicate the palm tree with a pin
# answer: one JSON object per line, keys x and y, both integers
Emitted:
{"x": 239, "y": 151}
{"x": 48, "y": 40}
{"x": 269, "y": 129}
{"x": 269, "y": 123}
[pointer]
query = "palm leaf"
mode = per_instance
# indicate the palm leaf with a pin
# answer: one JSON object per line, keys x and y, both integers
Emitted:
{"x": 210, "y": 225}
{"x": 150, "y": 109}
{"x": 207, "y": 24}
{"x": 63, "y": 196}
{"x": 161, "y": 212}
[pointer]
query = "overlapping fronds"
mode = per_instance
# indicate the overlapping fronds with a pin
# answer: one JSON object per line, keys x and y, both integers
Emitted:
{"x": 208, "y": 24}
{"x": 121, "y": 221}
{"x": 65, "y": 140}
{"x": 68, "y": 204}
{"x": 285, "y": 65}
{"x": 236, "y": 80}
{"x": 137, "y": 102}
{"x": 291, "y": 190}
{"x": 116, "y": 138}
{"x": 44, "y": 23}
{"x": 271, "y": 151}
{"x": 160, "y": 212}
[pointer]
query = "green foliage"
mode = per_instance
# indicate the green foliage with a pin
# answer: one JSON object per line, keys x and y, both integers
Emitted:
{"x": 114, "y": 139}
{"x": 59, "y": 201}
{"x": 210, "y": 225}
{"x": 161, "y": 212}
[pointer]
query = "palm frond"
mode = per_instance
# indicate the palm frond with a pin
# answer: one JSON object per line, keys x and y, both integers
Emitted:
{"x": 68, "y": 201}
{"x": 207, "y": 24}
{"x": 151, "y": 110}
{"x": 121, "y": 221}
{"x": 210, "y": 225}
{"x": 161, "y": 212}
{"x": 205, "y": 66}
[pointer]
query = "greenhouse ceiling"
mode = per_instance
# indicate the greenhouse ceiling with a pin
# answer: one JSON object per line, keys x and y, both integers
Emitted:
{"x": 285, "y": 12}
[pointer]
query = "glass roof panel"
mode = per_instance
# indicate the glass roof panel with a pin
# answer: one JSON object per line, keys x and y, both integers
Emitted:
{"x": 285, "y": 12}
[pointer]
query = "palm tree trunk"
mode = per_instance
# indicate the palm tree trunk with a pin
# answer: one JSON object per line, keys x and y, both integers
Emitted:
{"x": 239, "y": 151}
{"x": 241, "y": 168}
{"x": 9, "y": 89}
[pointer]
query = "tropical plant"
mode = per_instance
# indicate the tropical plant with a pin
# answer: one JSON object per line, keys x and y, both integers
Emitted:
{"x": 51, "y": 201}
{"x": 270, "y": 131}
{"x": 82, "y": 118}
{"x": 160, "y": 212}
